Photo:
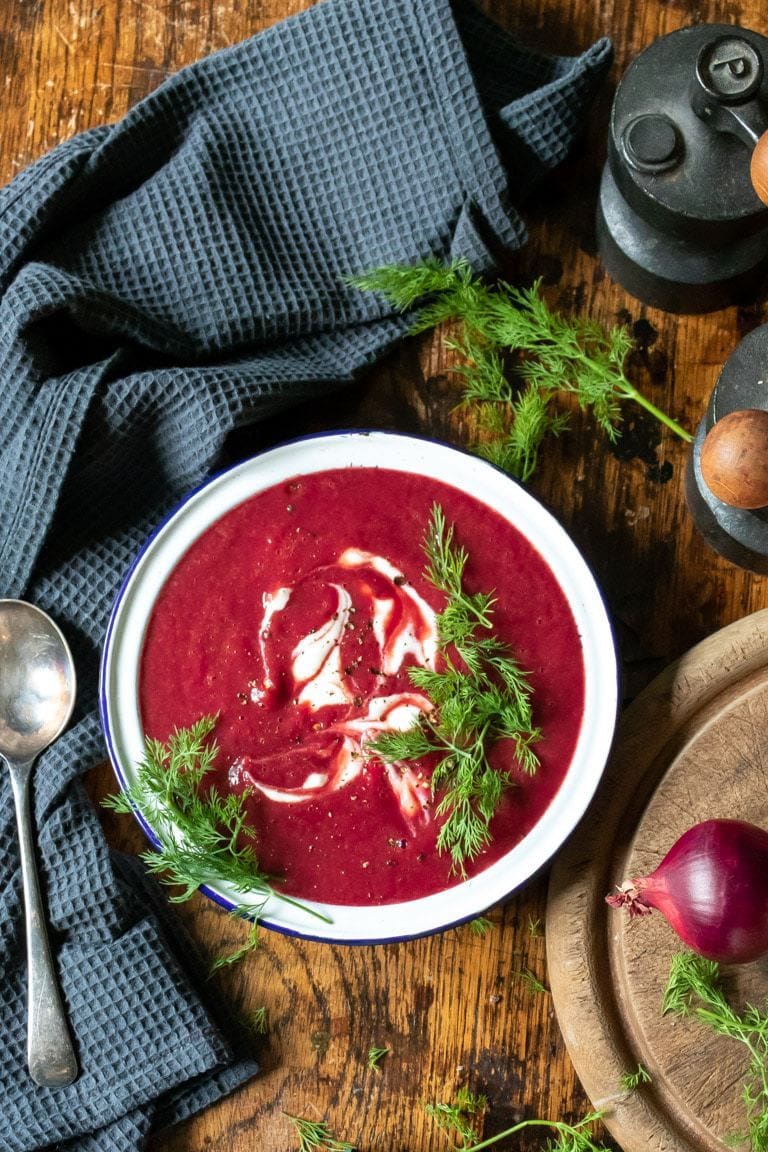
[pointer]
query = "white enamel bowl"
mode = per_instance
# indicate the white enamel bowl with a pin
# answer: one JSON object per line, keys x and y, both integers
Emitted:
{"x": 120, "y": 665}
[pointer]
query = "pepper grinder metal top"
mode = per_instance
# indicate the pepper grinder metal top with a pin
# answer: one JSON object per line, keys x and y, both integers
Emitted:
{"x": 680, "y": 223}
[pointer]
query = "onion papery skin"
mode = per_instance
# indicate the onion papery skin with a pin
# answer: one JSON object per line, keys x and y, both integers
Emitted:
{"x": 712, "y": 888}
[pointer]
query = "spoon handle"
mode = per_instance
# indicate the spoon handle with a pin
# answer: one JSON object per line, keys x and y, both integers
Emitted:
{"x": 50, "y": 1054}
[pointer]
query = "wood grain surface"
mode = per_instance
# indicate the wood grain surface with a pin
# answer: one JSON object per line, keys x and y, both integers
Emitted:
{"x": 454, "y": 1009}
{"x": 692, "y": 746}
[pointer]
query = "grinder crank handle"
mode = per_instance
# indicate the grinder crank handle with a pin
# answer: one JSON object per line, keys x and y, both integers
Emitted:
{"x": 727, "y": 94}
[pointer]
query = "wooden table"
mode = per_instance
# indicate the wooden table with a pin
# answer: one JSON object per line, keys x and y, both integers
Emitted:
{"x": 453, "y": 1009}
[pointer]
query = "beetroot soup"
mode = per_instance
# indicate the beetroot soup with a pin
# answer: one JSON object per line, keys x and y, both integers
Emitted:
{"x": 296, "y": 617}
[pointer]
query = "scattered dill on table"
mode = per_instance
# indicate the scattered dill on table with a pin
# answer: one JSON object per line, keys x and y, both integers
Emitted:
{"x": 460, "y": 1115}
{"x": 551, "y": 354}
{"x": 465, "y": 1112}
{"x": 375, "y": 1057}
{"x": 578, "y": 1137}
{"x": 695, "y": 989}
{"x": 531, "y": 979}
{"x": 258, "y": 1020}
{"x": 315, "y": 1136}
{"x": 630, "y": 1081}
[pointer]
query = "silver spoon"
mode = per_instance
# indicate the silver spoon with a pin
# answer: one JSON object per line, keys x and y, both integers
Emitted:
{"x": 37, "y": 693}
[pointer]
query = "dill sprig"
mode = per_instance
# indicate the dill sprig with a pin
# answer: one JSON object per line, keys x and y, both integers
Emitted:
{"x": 461, "y": 1115}
{"x": 480, "y": 696}
{"x": 315, "y": 1135}
{"x": 375, "y": 1057}
{"x": 203, "y": 837}
{"x": 480, "y": 926}
{"x": 579, "y": 1137}
{"x": 695, "y": 989}
{"x": 531, "y": 979}
{"x": 258, "y": 1020}
{"x": 464, "y": 1112}
{"x": 630, "y": 1081}
{"x": 551, "y": 354}
{"x": 251, "y": 943}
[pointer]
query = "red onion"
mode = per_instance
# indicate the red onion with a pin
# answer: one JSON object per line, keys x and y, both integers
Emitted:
{"x": 712, "y": 887}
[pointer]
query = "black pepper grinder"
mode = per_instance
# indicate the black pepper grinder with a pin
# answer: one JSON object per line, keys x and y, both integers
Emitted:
{"x": 680, "y": 224}
{"x": 726, "y": 481}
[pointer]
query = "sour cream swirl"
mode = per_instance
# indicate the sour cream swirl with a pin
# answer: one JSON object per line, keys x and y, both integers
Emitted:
{"x": 363, "y": 590}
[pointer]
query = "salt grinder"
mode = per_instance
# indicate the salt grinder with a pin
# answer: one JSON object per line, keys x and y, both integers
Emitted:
{"x": 680, "y": 224}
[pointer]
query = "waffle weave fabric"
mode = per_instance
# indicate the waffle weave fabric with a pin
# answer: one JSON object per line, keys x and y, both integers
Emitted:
{"x": 163, "y": 281}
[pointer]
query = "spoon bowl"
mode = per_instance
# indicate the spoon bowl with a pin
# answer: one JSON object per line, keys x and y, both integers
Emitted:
{"x": 37, "y": 680}
{"x": 37, "y": 695}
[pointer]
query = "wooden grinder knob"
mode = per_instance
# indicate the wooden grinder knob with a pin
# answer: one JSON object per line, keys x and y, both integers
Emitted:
{"x": 758, "y": 168}
{"x": 734, "y": 455}
{"x": 734, "y": 459}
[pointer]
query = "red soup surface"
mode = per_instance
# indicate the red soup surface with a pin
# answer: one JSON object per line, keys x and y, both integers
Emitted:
{"x": 296, "y": 617}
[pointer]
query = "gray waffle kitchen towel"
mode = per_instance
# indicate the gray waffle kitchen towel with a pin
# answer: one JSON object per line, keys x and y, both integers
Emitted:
{"x": 163, "y": 281}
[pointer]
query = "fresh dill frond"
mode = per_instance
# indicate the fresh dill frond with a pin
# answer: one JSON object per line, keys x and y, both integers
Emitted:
{"x": 483, "y": 371}
{"x": 531, "y": 979}
{"x": 202, "y": 836}
{"x": 480, "y": 696}
{"x": 375, "y": 1057}
{"x": 512, "y": 443}
{"x": 551, "y": 355}
{"x": 404, "y": 285}
{"x": 693, "y": 978}
{"x": 535, "y": 927}
{"x": 258, "y": 1020}
{"x": 695, "y": 989}
{"x": 578, "y": 1137}
{"x": 480, "y": 926}
{"x": 251, "y": 943}
{"x": 461, "y": 1115}
{"x": 630, "y": 1081}
{"x": 315, "y": 1136}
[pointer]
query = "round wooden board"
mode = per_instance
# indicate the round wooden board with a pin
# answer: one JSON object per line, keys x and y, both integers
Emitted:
{"x": 693, "y": 746}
